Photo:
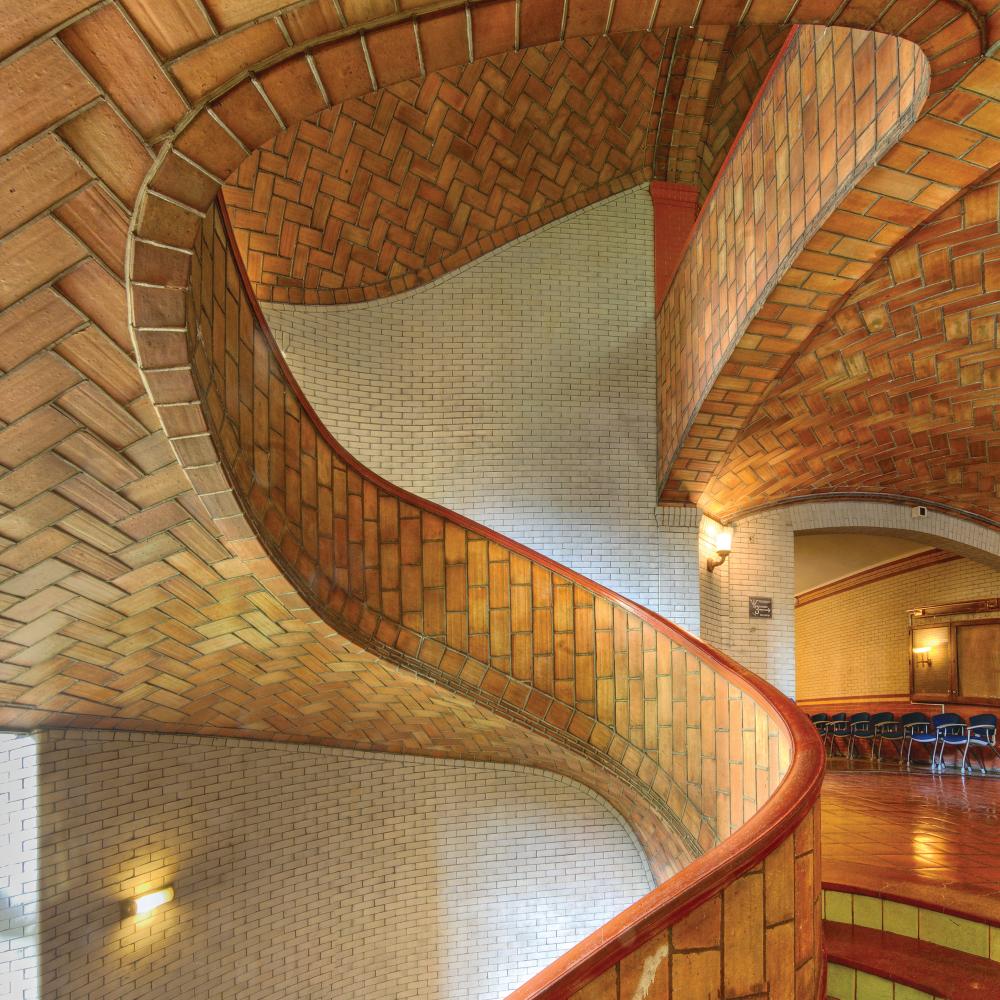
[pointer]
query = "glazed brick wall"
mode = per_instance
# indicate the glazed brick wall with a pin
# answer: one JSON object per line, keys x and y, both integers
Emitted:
{"x": 761, "y": 565}
{"x": 857, "y": 643}
{"x": 18, "y": 868}
{"x": 307, "y": 871}
{"x": 519, "y": 391}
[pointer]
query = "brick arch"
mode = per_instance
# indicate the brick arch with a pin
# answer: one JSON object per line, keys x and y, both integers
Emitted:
{"x": 937, "y": 529}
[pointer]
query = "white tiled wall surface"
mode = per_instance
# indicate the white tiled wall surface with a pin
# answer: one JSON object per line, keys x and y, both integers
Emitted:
{"x": 519, "y": 391}
{"x": 857, "y": 642}
{"x": 18, "y": 868}
{"x": 761, "y": 565}
{"x": 307, "y": 872}
{"x": 937, "y": 528}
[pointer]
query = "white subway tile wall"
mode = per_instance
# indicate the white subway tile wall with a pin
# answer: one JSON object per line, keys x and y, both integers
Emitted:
{"x": 309, "y": 872}
{"x": 18, "y": 868}
{"x": 761, "y": 565}
{"x": 519, "y": 391}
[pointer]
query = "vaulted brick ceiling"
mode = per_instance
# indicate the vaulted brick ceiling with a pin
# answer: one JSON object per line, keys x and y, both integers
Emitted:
{"x": 385, "y": 192}
{"x": 899, "y": 392}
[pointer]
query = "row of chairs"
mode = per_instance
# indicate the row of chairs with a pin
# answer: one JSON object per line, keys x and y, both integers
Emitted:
{"x": 938, "y": 734}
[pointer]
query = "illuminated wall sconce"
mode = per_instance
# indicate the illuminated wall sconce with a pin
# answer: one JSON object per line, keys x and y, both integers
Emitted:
{"x": 723, "y": 546}
{"x": 148, "y": 902}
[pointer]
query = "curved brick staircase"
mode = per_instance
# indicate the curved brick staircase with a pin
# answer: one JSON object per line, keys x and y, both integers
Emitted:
{"x": 718, "y": 772}
{"x": 492, "y": 650}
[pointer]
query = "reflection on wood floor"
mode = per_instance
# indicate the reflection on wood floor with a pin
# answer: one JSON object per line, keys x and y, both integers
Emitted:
{"x": 929, "y": 837}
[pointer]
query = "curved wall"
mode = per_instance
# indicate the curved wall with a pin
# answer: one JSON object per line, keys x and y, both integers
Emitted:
{"x": 602, "y": 681}
{"x": 519, "y": 391}
{"x": 307, "y": 871}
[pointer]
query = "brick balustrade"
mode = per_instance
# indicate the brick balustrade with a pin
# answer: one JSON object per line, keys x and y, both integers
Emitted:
{"x": 782, "y": 180}
{"x": 669, "y": 730}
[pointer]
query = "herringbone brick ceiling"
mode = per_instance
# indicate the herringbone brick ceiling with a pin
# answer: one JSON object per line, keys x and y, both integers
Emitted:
{"x": 125, "y": 599}
{"x": 392, "y": 189}
{"x": 900, "y": 389}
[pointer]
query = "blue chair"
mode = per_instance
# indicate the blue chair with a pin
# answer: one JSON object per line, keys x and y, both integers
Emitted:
{"x": 820, "y": 721}
{"x": 886, "y": 728}
{"x": 837, "y": 728}
{"x": 900, "y": 731}
{"x": 950, "y": 730}
{"x": 862, "y": 728}
{"x": 981, "y": 733}
{"x": 921, "y": 731}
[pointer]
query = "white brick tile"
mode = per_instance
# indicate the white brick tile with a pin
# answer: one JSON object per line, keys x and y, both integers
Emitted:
{"x": 519, "y": 391}
{"x": 301, "y": 872}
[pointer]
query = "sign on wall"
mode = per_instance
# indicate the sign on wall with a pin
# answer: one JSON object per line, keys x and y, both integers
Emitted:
{"x": 760, "y": 607}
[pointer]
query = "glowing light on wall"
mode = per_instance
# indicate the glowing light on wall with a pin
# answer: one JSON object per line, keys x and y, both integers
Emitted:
{"x": 149, "y": 901}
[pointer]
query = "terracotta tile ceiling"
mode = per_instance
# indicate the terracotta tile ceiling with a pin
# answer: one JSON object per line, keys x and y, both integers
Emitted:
{"x": 387, "y": 191}
{"x": 899, "y": 392}
{"x": 775, "y": 414}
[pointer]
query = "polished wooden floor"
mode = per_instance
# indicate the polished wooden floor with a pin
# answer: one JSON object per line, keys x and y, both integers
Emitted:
{"x": 932, "y": 838}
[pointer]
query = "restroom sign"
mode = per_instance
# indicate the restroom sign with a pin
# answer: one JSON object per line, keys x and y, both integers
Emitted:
{"x": 760, "y": 607}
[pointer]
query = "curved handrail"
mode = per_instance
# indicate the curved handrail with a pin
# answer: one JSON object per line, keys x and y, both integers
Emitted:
{"x": 787, "y": 807}
{"x": 770, "y": 695}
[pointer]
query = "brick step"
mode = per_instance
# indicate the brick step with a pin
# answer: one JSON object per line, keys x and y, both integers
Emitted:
{"x": 936, "y": 971}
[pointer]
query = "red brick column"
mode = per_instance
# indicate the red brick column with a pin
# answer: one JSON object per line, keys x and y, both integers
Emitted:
{"x": 675, "y": 209}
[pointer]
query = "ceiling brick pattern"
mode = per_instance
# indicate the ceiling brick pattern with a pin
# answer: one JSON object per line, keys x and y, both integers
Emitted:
{"x": 709, "y": 78}
{"x": 900, "y": 388}
{"x": 390, "y": 190}
{"x": 690, "y": 64}
{"x": 951, "y": 145}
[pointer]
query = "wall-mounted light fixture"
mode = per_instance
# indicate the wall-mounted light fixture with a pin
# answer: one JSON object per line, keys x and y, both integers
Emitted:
{"x": 723, "y": 546}
{"x": 148, "y": 902}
